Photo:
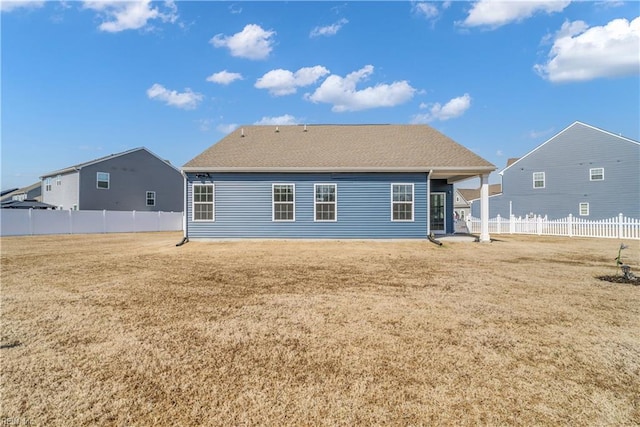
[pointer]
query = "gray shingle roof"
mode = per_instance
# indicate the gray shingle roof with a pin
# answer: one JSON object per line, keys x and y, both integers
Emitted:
{"x": 337, "y": 147}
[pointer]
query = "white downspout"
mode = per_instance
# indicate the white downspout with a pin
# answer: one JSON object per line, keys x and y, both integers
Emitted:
{"x": 429, "y": 202}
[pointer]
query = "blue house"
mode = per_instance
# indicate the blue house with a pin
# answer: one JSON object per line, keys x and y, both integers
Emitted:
{"x": 327, "y": 181}
{"x": 583, "y": 171}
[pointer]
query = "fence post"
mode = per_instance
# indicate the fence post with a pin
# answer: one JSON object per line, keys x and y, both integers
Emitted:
{"x": 133, "y": 213}
{"x": 30, "y": 221}
{"x": 539, "y": 225}
{"x": 70, "y": 222}
{"x": 512, "y": 224}
{"x": 104, "y": 220}
{"x": 620, "y": 227}
{"x": 570, "y": 225}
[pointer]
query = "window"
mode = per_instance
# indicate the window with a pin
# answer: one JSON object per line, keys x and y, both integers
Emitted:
{"x": 59, "y": 180}
{"x": 402, "y": 202}
{"x": 584, "y": 209}
{"x": 103, "y": 180}
{"x": 284, "y": 206}
{"x": 325, "y": 202}
{"x": 203, "y": 196}
{"x": 47, "y": 184}
{"x": 538, "y": 180}
{"x": 151, "y": 198}
{"x": 596, "y": 174}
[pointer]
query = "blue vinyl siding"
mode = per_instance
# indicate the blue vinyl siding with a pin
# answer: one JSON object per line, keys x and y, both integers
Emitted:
{"x": 243, "y": 206}
{"x": 566, "y": 160}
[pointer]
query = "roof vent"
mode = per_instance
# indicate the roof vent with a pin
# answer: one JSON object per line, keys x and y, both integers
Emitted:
{"x": 277, "y": 129}
{"x": 305, "y": 128}
{"x": 242, "y": 132}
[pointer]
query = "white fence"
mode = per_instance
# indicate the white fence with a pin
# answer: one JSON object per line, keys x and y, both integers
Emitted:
{"x": 20, "y": 222}
{"x": 619, "y": 227}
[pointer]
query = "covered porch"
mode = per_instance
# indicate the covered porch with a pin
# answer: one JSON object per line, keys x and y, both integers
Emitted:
{"x": 440, "y": 207}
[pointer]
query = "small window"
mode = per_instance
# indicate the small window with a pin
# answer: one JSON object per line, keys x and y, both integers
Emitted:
{"x": 103, "y": 180}
{"x": 325, "y": 202}
{"x": 584, "y": 209}
{"x": 284, "y": 204}
{"x": 151, "y": 198}
{"x": 596, "y": 174}
{"x": 538, "y": 180}
{"x": 47, "y": 184}
{"x": 203, "y": 202}
{"x": 59, "y": 180}
{"x": 402, "y": 202}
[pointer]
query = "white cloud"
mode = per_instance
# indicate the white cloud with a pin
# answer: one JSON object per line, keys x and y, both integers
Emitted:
{"x": 9, "y": 6}
{"x": 342, "y": 92}
{"x": 329, "y": 30}
{"x": 428, "y": 10}
{"x": 252, "y": 42}
{"x": 495, "y": 14}
{"x": 224, "y": 77}
{"x": 452, "y": 109}
{"x": 283, "y": 82}
{"x": 119, "y": 15}
{"x": 580, "y": 53}
{"x": 187, "y": 100}
{"x": 286, "y": 119}
{"x": 226, "y": 128}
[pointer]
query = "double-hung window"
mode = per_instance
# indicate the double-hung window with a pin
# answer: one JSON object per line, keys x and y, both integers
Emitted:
{"x": 325, "y": 202}
{"x": 59, "y": 180}
{"x": 284, "y": 202}
{"x": 203, "y": 202}
{"x": 402, "y": 202}
{"x": 151, "y": 198}
{"x": 47, "y": 184}
{"x": 102, "y": 180}
{"x": 538, "y": 180}
{"x": 596, "y": 174}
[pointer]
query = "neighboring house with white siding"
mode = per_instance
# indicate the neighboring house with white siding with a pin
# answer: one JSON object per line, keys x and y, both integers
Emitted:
{"x": 466, "y": 196}
{"x": 132, "y": 180}
{"x": 328, "y": 181}
{"x": 583, "y": 171}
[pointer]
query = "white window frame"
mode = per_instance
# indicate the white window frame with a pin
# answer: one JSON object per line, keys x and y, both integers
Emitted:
{"x": 147, "y": 198}
{"x": 273, "y": 201}
{"x": 544, "y": 181}
{"x": 334, "y": 203}
{"x": 59, "y": 180}
{"x": 47, "y": 184}
{"x": 591, "y": 174}
{"x": 394, "y": 202}
{"x": 98, "y": 180}
{"x": 194, "y": 203}
{"x": 585, "y": 205}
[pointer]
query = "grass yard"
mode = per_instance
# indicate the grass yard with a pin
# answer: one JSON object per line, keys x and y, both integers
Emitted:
{"x": 127, "y": 329}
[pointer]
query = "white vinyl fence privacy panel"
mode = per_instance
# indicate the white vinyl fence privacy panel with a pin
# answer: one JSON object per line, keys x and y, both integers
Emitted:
{"x": 20, "y": 222}
{"x": 619, "y": 227}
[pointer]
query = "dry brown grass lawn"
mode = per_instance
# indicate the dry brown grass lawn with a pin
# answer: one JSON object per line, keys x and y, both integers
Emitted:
{"x": 128, "y": 329}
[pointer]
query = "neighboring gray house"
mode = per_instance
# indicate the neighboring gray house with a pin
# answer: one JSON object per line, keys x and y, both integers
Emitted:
{"x": 32, "y": 192}
{"x": 132, "y": 180}
{"x": 584, "y": 171}
{"x": 328, "y": 181}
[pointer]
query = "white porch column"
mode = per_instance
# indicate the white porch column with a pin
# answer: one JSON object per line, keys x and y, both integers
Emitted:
{"x": 484, "y": 208}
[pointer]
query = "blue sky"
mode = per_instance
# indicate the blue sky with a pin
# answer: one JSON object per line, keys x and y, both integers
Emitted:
{"x": 81, "y": 80}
